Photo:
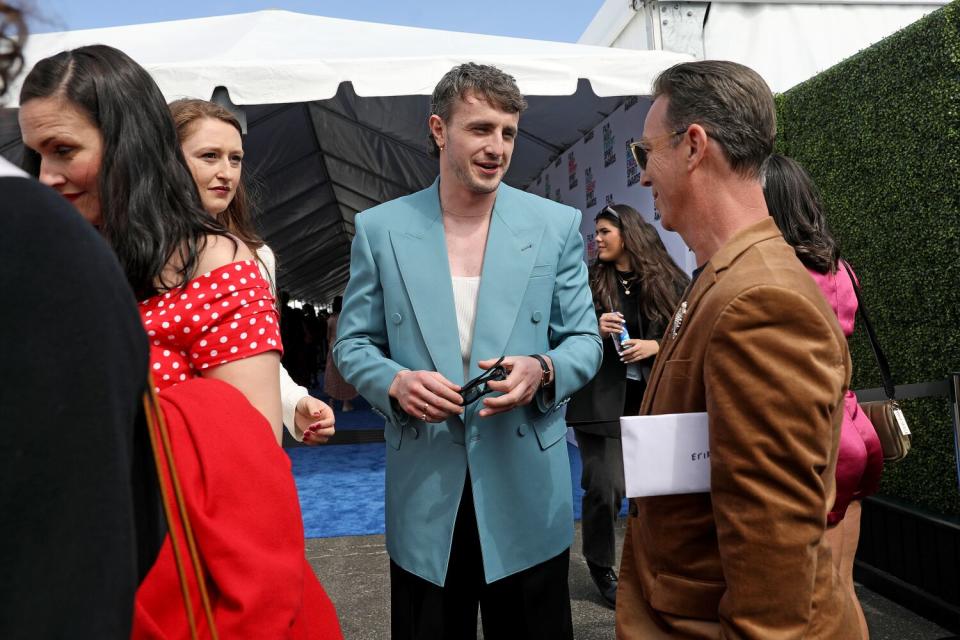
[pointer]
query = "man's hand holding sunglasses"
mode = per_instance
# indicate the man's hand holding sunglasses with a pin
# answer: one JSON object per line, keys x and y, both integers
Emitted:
{"x": 426, "y": 395}
{"x": 524, "y": 379}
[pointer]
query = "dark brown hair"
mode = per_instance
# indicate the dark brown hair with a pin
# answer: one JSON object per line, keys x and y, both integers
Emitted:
{"x": 151, "y": 210}
{"x": 661, "y": 280}
{"x": 794, "y": 203}
{"x": 730, "y": 101}
{"x": 485, "y": 81}
{"x": 237, "y": 217}
{"x": 13, "y": 35}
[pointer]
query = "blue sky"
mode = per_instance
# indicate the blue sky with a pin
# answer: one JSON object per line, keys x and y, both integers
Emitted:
{"x": 561, "y": 20}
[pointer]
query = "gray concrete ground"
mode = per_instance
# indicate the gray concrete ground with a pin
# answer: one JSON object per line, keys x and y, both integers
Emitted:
{"x": 355, "y": 572}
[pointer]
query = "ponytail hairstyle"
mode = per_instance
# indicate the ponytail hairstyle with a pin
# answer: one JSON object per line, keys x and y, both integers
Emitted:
{"x": 795, "y": 205}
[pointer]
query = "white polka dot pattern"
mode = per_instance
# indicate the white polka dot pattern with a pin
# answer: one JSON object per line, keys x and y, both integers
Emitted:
{"x": 193, "y": 336}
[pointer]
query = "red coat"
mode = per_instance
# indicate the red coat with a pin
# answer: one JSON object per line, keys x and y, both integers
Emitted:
{"x": 243, "y": 506}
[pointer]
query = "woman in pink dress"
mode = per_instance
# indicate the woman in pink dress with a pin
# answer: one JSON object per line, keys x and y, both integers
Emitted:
{"x": 794, "y": 203}
{"x": 97, "y": 130}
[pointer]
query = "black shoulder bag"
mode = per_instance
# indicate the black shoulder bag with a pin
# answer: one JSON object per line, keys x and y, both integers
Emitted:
{"x": 886, "y": 416}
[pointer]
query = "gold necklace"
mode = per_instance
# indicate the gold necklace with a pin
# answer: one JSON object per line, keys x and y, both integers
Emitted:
{"x": 626, "y": 283}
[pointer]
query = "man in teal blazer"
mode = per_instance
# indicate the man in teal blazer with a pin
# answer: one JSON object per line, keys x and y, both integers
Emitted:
{"x": 443, "y": 283}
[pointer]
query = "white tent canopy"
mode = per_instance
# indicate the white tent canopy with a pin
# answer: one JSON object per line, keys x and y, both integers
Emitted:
{"x": 786, "y": 41}
{"x": 337, "y": 109}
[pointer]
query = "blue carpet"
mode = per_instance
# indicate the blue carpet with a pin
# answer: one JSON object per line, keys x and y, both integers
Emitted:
{"x": 341, "y": 488}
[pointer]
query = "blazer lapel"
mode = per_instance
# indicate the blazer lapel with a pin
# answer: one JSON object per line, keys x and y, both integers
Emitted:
{"x": 512, "y": 248}
{"x": 719, "y": 263}
{"x": 675, "y": 330}
{"x": 425, "y": 268}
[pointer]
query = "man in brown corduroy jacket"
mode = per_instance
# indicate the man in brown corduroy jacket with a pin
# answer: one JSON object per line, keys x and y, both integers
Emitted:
{"x": 754, "y": 344}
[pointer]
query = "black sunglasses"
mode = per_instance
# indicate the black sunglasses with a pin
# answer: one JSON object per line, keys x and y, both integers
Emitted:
{"x": 477, "y": 388}
{"x": 609, "y": 212}
{"x": 640, "y": 151}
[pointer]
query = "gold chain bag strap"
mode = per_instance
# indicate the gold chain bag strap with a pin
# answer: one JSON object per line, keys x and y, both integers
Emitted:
{"x": 163, "y": 457}
{"x": 886, "y": 416}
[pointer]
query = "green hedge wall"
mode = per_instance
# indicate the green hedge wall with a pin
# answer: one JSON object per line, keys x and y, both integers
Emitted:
{"x": 880, "y": 134}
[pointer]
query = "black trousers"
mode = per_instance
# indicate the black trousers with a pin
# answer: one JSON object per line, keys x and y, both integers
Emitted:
{"x": 603, "y": 492}
{"x": 532, "y": 604}
{"x": 603, "y": 485}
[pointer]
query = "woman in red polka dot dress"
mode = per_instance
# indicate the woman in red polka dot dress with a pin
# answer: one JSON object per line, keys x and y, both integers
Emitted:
{"x": 97, "y": 130}
{"x": 221, "y": 316}
{"x": 210, "y": 137}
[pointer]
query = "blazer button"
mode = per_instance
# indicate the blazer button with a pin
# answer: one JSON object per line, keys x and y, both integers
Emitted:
{"x": 397, "y": 318}
{"x": 537, "y": 316}
{"x": 522, "y": 430}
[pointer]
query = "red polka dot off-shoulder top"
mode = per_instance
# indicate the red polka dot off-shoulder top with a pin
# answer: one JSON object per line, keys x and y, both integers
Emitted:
{"x": 221, "y": 316}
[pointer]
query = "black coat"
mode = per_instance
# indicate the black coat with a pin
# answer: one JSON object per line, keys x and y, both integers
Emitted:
{"x": 80, "y": 516}
{"x": 597, "y": 407}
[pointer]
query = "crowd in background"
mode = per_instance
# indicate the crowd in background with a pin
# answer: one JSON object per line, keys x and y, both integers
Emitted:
{"x": 305, "y": 344}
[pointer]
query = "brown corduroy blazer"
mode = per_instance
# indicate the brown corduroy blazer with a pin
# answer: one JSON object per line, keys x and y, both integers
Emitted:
{"x": 760, "y": 351}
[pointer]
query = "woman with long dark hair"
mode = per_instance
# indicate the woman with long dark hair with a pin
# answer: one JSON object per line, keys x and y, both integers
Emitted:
{"x": 81, "y": 522}
{"x": 210, "y": 138}
{"x": 636, "y": 287}
{"x": 795, "y": 205}
{"x": 97, "y": 130}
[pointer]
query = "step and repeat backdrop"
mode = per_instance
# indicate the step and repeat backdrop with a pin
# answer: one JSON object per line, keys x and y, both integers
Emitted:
{"x": 599, "y": 170}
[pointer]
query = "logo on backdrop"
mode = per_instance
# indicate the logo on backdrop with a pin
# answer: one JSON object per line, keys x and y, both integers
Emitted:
{"x": 572, "y": 170}
{"x": 633, "y": 169}
{"x": 557, "y": 197}
{"x": 609, "y": 155}
{"x": 591, "y": 187}
{"x": 546, "y": 187}
{"x": 609, "y": 199}
{"x": 591, "y": 246}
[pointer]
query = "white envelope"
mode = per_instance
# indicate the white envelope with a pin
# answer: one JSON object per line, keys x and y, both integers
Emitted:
{"x": 666, "y": 455}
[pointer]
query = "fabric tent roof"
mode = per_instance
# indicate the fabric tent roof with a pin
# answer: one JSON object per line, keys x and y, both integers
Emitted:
{"x": 336, "y": 111}
{"x": 786, "y": 41}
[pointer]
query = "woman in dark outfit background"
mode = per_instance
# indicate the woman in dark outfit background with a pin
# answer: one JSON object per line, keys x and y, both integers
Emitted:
{"x": 634, "y": 283}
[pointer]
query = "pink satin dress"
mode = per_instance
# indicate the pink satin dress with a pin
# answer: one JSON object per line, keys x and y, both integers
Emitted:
{"x": 860, "y": 458}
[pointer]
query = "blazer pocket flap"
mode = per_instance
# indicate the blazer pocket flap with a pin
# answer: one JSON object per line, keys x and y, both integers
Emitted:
{"x": 687, "y": 597}
{"x": 541, "y": 270}
{"x": 392, "y": 433}
{"x": 679, "y": 368}
{"x": 549, "y": 431}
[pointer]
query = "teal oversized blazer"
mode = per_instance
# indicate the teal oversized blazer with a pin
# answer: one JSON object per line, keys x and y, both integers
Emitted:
{"x": 398, "y": 313}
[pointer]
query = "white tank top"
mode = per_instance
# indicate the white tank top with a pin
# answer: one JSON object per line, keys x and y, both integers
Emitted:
{"x": 465, "y": 292}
